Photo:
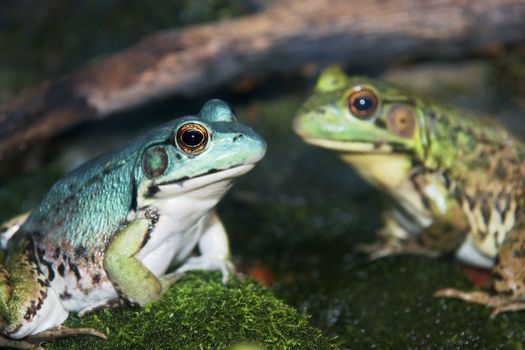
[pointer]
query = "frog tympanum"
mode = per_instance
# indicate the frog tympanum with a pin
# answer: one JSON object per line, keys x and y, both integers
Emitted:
{"x": 108, "y": 231}
{"x": 457, "y": 181}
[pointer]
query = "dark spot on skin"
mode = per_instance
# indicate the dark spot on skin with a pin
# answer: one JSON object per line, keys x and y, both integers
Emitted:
{"x": 80, "y": 251}
{"x": 485, "y": 212}
{"x": 482, "y": 235}
{"x": 484, "y": 157}
{"x": 32, "y": 310}
{"x": 458, "y": 195}
{"x": 378, "y": 144}
{"x": 49, "y": 266}
{"x": 73, "y": 267}
{"x": 501, "y": 173}
{"x": 497, "y": 276}
{"x": 178, "y": 156}
{"x": 152, "y": 190}
{"x": 65, "y": 295}
{"x": 424, "y": 199}
{"x": 61, "y": 270}
{"x": 446, "y": 178}
{"x": 237, "y": 137}
{"x": 518, "y": 253}
{"x": 57, "y": 253}
{"x": 397, "y": 147}
{"x": 39, "y": 304}
{"x": 43, "y": 283}
{"x": 96, "y": 278}
{"x": 496, "y": 243}
{"x": 380, "y": 123}
{"x": 471, "y": 201}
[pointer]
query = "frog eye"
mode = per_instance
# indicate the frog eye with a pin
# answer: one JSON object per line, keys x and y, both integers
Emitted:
{"x": 362, "y": 103}
{"x": 155, "y": 161}
{"x": 402, "y": 120}
{"x": 192, "y": 138}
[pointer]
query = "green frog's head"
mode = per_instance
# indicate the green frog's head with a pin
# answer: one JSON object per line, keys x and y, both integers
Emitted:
{"x": 377, "y": 128}
{"x": 194, "y": 152}
{"x": 359, "y": 115}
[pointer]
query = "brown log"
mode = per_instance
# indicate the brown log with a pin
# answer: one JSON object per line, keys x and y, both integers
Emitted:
{"x": 284, "y": 36}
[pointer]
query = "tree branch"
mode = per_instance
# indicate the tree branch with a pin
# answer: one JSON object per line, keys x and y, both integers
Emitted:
{"x": 286, "y": 35}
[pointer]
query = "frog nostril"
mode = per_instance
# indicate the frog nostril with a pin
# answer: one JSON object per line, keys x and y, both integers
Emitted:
{"x": 237, "y": 137}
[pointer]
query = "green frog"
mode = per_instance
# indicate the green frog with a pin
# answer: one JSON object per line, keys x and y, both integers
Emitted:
{"x": 106, "y": 233}
{"x": 456, "y": 181}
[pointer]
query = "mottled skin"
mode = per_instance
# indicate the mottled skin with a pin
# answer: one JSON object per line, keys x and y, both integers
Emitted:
{"x": 457, "y": 181}
{"x": 107, "y": 232}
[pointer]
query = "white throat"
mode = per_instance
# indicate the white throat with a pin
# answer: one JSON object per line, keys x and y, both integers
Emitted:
{"x": 182, "y": 208}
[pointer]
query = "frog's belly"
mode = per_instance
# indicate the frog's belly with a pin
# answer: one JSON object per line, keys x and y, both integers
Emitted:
{"x": 166, "y": 245}
{"x": 82, "y": 288}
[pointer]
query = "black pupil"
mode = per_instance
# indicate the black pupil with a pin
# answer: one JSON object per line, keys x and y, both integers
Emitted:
{"x": 192, "y": 138}
{"x": 363, "y": 103}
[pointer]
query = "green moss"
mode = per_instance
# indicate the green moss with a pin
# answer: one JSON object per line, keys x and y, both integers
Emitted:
{"x": 200, "y": 312}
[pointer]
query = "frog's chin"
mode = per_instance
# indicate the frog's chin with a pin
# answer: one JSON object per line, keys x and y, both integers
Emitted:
{"x": 356, "y": 147}
{"x": 217, "y": 178}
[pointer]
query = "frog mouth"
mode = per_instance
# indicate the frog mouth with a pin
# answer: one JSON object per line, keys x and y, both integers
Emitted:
{"x": 196, "y": 182}
{"x": 358, "y": 146}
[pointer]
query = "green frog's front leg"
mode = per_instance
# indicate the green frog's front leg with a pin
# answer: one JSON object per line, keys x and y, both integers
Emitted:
{"x": 509, "y": 278}
{"x": 425, "y": 220}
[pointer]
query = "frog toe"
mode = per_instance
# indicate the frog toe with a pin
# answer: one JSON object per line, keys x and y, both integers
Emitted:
{"x": 61, "y": 332}
{"x": 510, "y": 307}
{"x": 6, "y": 342}
{"x": 209, "y": 263}
{"x": 499, "y": 303}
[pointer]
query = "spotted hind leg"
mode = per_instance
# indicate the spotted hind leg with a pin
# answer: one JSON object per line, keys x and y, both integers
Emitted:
{"x": 509, "y": 278}
{"x": 29, "y": 308}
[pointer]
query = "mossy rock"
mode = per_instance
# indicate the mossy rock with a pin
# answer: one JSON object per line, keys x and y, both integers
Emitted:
{"x": 200, "y": 312}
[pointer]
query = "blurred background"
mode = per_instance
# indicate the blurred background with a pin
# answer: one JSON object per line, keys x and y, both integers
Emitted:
{"x": 295, "y": 220}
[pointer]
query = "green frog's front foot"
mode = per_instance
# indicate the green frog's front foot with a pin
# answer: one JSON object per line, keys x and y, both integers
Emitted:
{"x": 499, "y": 303}
{"x": 34, "y": 342}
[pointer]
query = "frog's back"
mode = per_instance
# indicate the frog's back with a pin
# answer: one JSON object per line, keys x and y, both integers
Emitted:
{"x": 477, "y": 149}
{"x": 87, "y": 205}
